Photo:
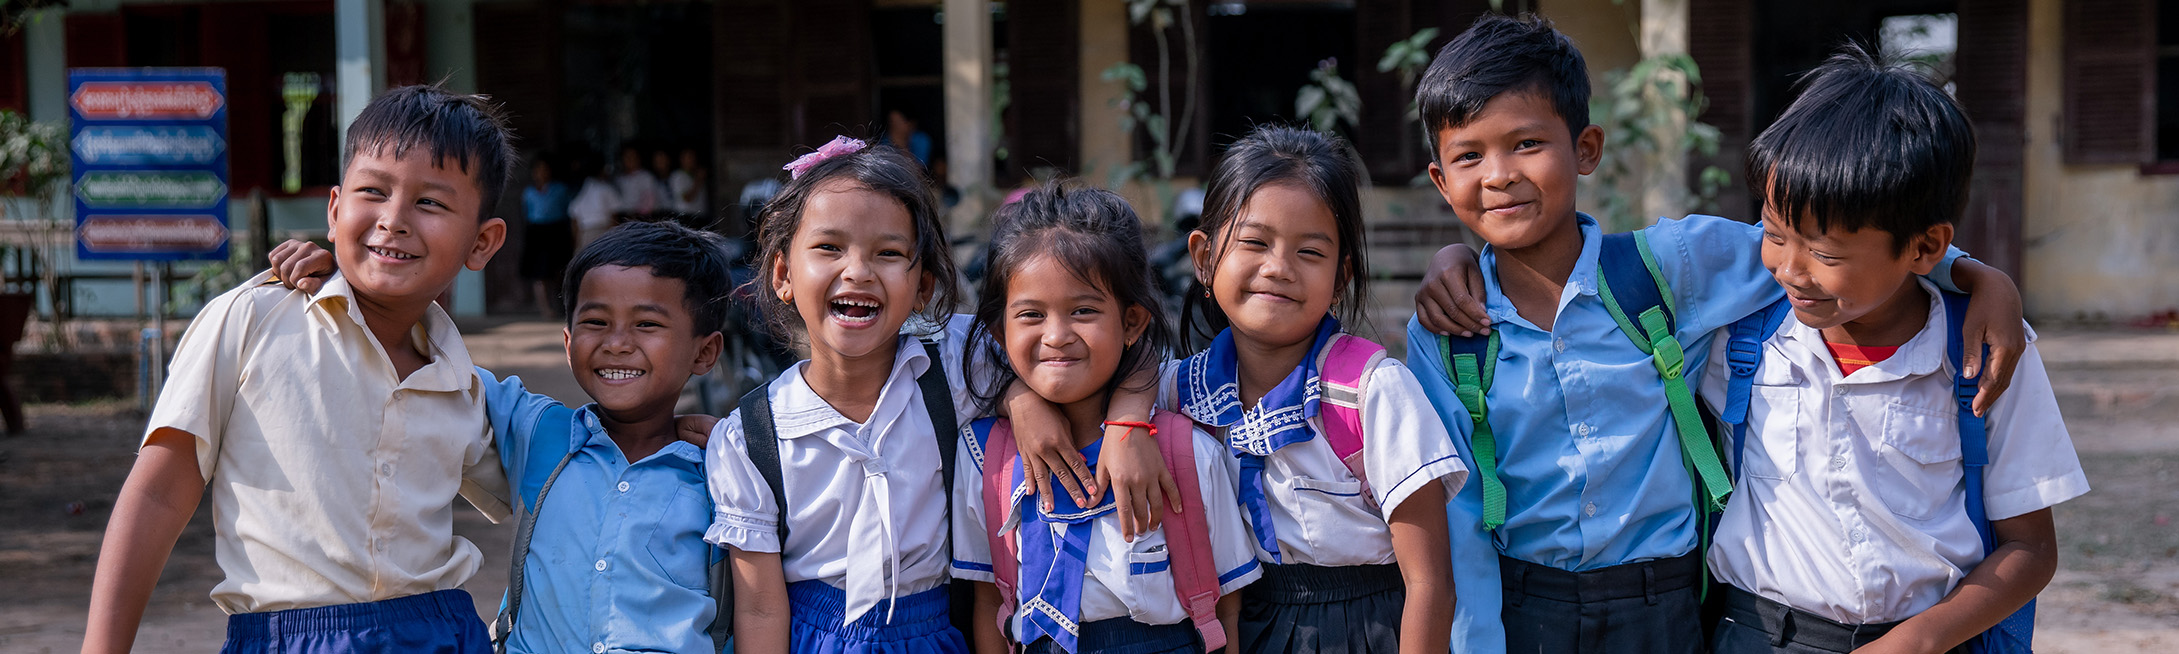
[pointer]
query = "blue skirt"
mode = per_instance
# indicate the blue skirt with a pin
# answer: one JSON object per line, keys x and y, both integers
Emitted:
{"x": 920, "y": 624}
{"x": 1126, "y": 636}
{"x": 441, "y": 622}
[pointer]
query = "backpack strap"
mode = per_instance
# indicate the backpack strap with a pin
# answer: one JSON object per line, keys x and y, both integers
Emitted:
{"x": 761, "y": 441}
{"x": 1469, "y": 360}
{"x": 503, "y": 626}
{"x": 999, "y": 453}
{"x": 1634, "y": 291}
{"x": 1743, "y": 354}
{"x": 2016, "y": 631}
{"x": 1343, "y": 369}
{"x": 1188, "y": 539}
{"x": 938, "y": 404}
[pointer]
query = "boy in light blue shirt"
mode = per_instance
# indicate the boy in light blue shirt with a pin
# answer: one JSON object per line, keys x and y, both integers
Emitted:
{"x": 1581, "y": 529}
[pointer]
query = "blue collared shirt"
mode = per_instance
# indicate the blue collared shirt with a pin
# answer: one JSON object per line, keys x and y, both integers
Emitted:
{"x": 1586, "y": 446}
{"x": 617, "y": 560}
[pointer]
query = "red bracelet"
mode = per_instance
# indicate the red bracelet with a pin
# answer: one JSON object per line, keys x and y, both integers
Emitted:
{"x": 1153, "y": 429}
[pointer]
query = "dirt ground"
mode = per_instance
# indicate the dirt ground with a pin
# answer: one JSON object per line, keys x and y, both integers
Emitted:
{"x": 2117, "y": 590}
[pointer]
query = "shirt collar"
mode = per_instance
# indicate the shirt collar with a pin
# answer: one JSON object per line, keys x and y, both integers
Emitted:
{"x": 1925, "y": 353}
{"x": 797, "y": 409}
{"x": 449, "y": 368}
{"x": 1212, "y": 392}
{"x": 1583, "y": 279}
{"x": 595, "y": 436}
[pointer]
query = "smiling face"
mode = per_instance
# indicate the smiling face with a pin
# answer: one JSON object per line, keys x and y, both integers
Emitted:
{"x": 1840, "y": 277}
{"x": 851, "y": 272}
{"x": 1274, "y": 268}
{"x": 1065, "y": 337}
{"x": 632, "y": 342}
{"x": 1509, "y": 172}
{"x": 401, "y": 228}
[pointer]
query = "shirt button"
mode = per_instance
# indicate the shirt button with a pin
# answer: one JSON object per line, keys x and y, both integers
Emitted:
{"x": 1838, "y": 462}
{"x": 624, "y": 487}
{"x": 600, "y": 566}
{"x": 385, "y": 469}
{"x": 1589, "y": 509}
{"x": 1839, "y": 391}
{"x": 597, "y": 648}
{"x": 1857, "y": 535}
{"x": 1558, "y": 344}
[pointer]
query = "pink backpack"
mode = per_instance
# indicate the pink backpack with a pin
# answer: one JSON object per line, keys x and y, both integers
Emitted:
{"x": 1342, "y": 369}
{"x": 1187, "y": 540}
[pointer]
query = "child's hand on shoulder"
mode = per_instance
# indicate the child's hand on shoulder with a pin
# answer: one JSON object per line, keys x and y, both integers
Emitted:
{"x": 1994, "y": 320}
{"x": 694, "y": 428}
{"x": 301, "y": 265}
{"x": 1451, "y": 298}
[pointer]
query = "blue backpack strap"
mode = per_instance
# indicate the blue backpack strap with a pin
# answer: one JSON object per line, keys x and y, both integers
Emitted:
{"x": 1743, "y": 355}
{"x": 1469, "y": 361}
{"x": 2016, "y": 632}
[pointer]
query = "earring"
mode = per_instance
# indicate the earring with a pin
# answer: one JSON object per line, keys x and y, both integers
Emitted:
{"x": 1206, "y": 294}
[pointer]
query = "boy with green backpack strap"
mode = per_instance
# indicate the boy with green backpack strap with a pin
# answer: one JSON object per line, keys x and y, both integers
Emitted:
{"x": 1594, "y": 478}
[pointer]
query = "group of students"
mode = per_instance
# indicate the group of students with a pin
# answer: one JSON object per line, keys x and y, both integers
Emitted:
{"x": 1543, "y": 454}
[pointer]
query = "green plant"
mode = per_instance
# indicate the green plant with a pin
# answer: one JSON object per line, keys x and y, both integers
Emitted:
{"x": 1408, "y": 57}
{"x": 1641, "y": 111}
{"x": 14, "y": 14}
{"x": 1166, "y": 141}
{"x": 1328, "y": 99}
{"x": 33, "y": 156}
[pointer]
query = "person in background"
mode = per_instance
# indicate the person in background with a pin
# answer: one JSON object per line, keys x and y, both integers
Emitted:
{"x": 549, "y": 240}
{"x": 640, "y": 191}
{"x": 689, "y": 187}
{"x": 597, "y": 207}
{"x": 903, "y": 133}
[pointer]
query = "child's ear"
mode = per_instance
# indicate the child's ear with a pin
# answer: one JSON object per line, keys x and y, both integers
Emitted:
{"x": 332, "y": 213}
{"x": 1136, "y": 320}
{"x": 490, "y": 237}
{"x": 707, "y": 353}
{"x": 567, "y": 345}
{"x": 1588, "y": 149}
{"x": 782, "y": 286}
{"x": 1199, "y": 251}
{"x": 926, "y": 286}
{"x": 1437, "y": 179}
{"x": 1927, "y": 249}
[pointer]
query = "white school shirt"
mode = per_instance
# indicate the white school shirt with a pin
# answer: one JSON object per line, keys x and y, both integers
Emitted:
{"x": 331, "y": 478}
{"x": 1125, "y": 580}
{"x": 681, "y": 182}
{"x": 1316, "y": 503}
{"x": 642, "y": 192}
{"x": 861, "y": 495}
{"x": 1851, "y": 504}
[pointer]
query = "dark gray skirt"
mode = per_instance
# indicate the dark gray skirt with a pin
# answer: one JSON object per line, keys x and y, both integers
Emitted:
{"x": 1326, "y": 610}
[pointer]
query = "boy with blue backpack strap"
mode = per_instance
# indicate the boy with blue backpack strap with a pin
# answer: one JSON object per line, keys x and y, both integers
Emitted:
{"x": 1874, "y": 510}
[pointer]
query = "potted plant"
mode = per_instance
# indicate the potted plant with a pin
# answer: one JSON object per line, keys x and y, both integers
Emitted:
{"x": 33, "y": 161}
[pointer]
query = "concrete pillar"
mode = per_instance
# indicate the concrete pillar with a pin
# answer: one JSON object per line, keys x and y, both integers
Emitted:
{"x": 968, "y": 111}
{"x": 359, "y": 46}
{"x": 1664, "y": 32}
{"x": 1104, "y": 146}
{"x": 45, "y": 64}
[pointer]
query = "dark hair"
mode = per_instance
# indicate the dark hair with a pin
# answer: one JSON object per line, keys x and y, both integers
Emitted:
{"x": 697, "y": 258}
{"x": 1499, "y": 55}
{"x": 468, "y": 128}
{"x": 879, "y": 168}
{"x": 1088, "y": 231}
{"x": 1320, "y": 163}
{"x": 1869, "y": 143}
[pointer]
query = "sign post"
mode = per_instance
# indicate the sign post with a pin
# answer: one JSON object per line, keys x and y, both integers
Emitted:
{"x": 149, "y": 150}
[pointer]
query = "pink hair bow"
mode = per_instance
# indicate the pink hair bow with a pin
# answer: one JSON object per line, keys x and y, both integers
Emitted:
{"x": 840, "y": 146}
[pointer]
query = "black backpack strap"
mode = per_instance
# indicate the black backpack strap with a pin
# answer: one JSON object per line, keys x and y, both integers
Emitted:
{"x": 503, "y": 626}
{"x": 722, "y": 594}
{"x": 938, "y": 403}
{"x": 762, "y": 442}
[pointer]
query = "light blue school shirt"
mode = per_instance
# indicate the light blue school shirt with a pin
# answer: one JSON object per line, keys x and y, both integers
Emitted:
{"x": 617, "y": 561}
{"x": 1586, "y": 446}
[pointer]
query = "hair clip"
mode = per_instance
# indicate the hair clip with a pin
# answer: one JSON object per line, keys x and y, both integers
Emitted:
{"x": 840, "y": 146}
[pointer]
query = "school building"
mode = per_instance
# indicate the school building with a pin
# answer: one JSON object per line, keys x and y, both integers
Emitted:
{"x": 2075, "y": 193}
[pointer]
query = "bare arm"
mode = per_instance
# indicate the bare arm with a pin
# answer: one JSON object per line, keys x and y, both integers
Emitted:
{"x": 984, "y": 636}
{"x": 760, "y": 602}
{"x": 1424, "y": 549}
{"x": 1130, "y": 463}
{"x": 1046, "y": 446}
{"x": 1450, "y": 300}
{"x": 1229, "y": 616}
{"x": 162, "y": 491}
{"x": 2026, "y": 557}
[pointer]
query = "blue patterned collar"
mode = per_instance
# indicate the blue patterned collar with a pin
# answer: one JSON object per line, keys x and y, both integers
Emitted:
{"x": 1210, "y": 393}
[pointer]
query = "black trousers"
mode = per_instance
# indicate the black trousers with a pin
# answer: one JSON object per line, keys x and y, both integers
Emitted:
{"x": 1651, "y": 607}
{"x": 1755, "y": 625}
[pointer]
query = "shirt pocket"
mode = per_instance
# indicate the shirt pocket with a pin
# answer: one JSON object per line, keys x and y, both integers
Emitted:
{"x": 1149, "y": 584}
{"x": 1773, "y": 445}
{"x": 1330, "y": 513}
{"x": 1918, "y": 460}
{"x": 676, "y": 543}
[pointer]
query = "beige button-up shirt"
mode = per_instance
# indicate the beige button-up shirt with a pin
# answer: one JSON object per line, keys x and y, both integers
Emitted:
{"x": 332, "y": 479}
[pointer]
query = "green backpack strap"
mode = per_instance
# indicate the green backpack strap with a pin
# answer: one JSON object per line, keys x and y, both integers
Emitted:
{"x": 1635, "y": 292}
{"x": 1469, "y": 360}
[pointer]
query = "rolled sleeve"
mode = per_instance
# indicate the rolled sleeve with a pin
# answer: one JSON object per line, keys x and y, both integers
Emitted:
{"x": 1408, "y": 446}
{"x": 744, "y": 515}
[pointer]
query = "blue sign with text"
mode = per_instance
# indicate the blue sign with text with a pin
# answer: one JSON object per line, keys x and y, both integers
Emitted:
{"x": 149, "y": 155}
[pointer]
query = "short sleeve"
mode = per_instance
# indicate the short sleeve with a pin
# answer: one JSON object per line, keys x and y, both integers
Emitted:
{"x": 956, "y": 339}
{"x": 1405, "y": 444}
{"x": 1476, "y": 584}
{"x": 971, "y": 543}
{"x": 2032, "y": 462}
{"x": 1715, "y": 268}
{"x": 1231, "y": 549}
{"x": 744, "y": 516}
{"x": 206, "y": 373}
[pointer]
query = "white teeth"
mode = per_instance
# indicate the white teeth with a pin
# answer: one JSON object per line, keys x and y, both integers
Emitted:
{"x": 393, "y": 254}
{"x": 618, "y": 374}
{"x": 856, "y": 302}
